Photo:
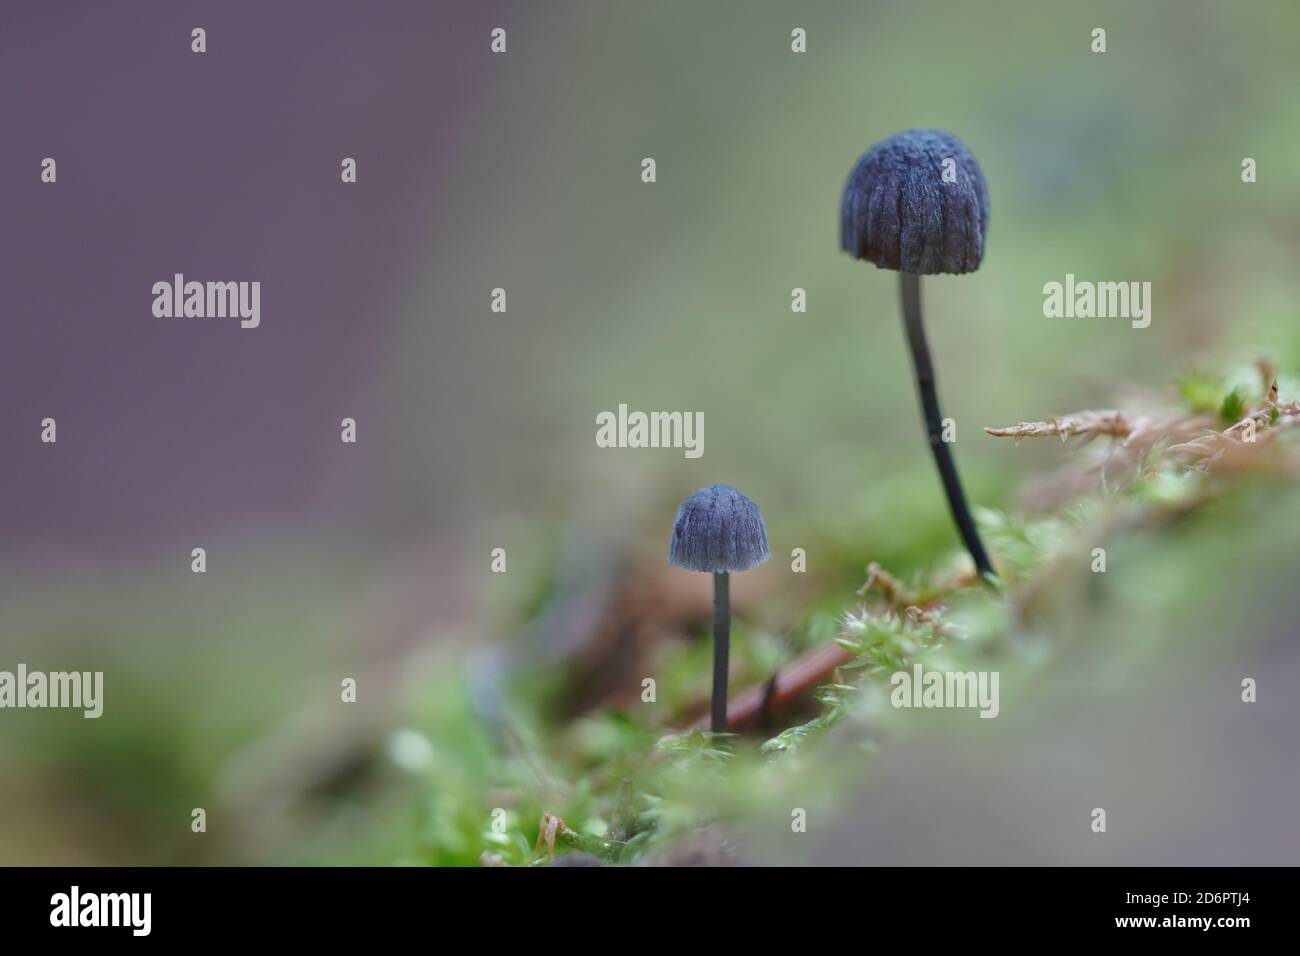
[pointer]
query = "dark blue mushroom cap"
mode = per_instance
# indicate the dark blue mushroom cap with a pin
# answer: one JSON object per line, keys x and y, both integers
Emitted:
{"x": 900, "y": 212}
{"x": 718, "y": 529}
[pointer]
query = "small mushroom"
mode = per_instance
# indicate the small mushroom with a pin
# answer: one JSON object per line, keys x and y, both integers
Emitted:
{"x": 917, "y": 203}
{"x": 719, "y": 530}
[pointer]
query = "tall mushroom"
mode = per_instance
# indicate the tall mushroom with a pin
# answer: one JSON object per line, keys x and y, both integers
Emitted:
{"x": 719, "y": 530}
{"x": 917, "y": 203}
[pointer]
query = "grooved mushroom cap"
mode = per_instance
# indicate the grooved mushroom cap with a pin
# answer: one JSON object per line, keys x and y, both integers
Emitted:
{"x": 898, "y": 212}
{"x": 718, "y": 529}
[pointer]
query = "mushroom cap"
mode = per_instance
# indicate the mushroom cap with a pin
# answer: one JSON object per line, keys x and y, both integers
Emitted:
{"x": 898, "y": 212}
{"x": 718, "y": 529}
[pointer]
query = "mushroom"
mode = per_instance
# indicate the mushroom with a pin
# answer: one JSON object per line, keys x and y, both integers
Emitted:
{"x": 917, "y": 203}
{"x": 719, "y": 530}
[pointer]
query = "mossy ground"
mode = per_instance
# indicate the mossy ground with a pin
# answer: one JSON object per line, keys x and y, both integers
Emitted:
{"x": 627, "y": 781}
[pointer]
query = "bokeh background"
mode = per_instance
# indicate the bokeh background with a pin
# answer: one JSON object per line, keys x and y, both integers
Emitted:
{"x": 476, "y": 429}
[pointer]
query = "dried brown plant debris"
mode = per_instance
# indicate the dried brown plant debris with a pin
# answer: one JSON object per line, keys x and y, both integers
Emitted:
{"x": 1092, "y": 424}
{"x": 1231, "y": 447}
{"x": 548, "y": 829}
{"x": 1142, "y": 439}
{"x": 886, "y": 585}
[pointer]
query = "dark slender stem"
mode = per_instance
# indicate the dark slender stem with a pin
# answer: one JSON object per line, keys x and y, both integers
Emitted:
{"x": 721, "y": 646}
{"x": 925, "y": 384}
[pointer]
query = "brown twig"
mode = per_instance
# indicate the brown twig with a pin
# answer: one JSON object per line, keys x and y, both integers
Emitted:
{"x": 1111, "y": 423}
{"x": 795, "y": 683}
{"x": 785, "y": 688}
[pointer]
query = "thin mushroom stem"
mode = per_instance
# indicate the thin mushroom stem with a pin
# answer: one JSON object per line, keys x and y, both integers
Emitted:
{"x": 910, "y": 284}
{"x": 721, "y": 647}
